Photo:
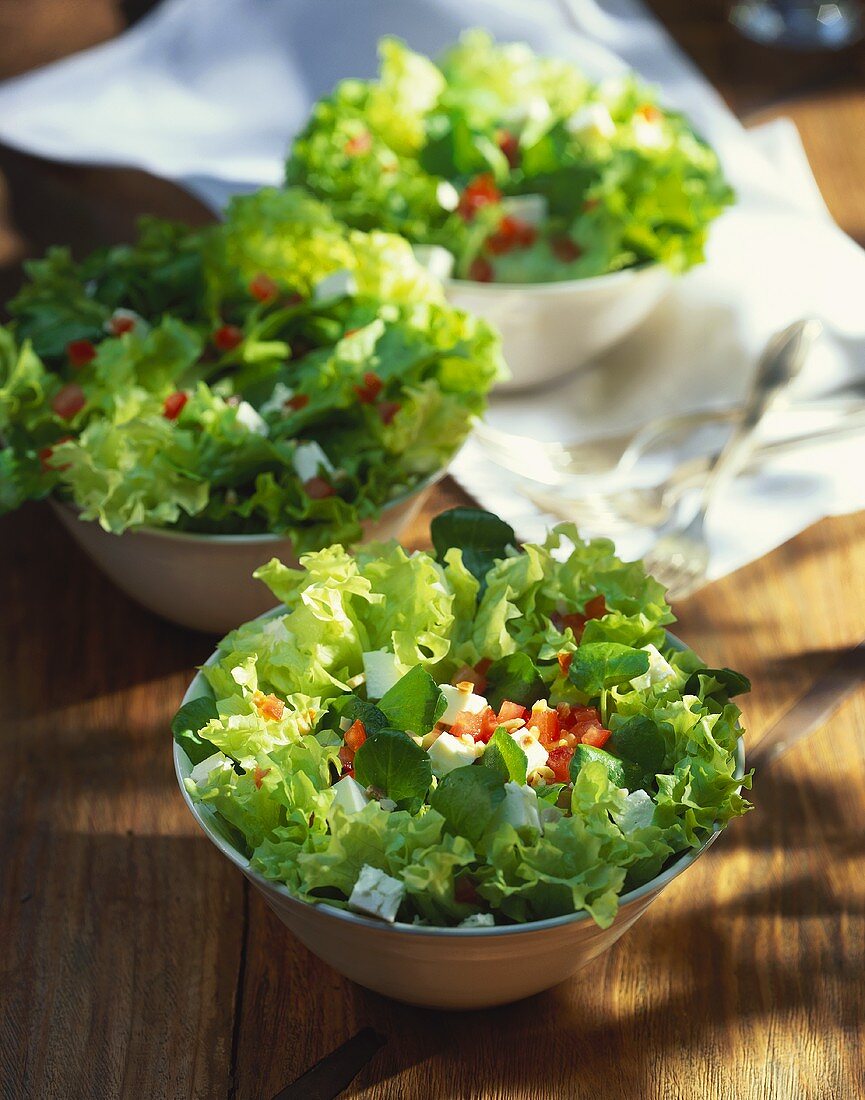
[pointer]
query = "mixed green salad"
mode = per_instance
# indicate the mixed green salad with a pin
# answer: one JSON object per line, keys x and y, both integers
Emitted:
{"x": 476, "y": 736}
{"x": 278, "y": 372}
{"x": 518, "y": 166}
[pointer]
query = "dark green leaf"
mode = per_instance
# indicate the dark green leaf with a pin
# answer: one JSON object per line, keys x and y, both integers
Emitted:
{"x": 730, "y": 683}
{"x": 467, "y": 798}
{"x": 356, "y": 709}
{"x": 392, "y": 763}
{"x": 639, "y": 740}
{"x": 622, "y": 773}
{"x": 505, "y": 757}
{"x": 600, "y": 665}
{"x": 482, "y": 537}
{"x": 549, "y": 793}
{"x": 414, "y": 703}
{"x": 516, "y": 678}
{"x": 185, "y": 725}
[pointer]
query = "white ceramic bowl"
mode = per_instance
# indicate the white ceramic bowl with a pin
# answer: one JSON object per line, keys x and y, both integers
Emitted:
{"x": 454, "y": 968}
{"x": 551, "y": 329}
{"x": 205, "y": 581}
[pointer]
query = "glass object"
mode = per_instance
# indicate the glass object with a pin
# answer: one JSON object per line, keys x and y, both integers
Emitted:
{"x": 799, "y": 24}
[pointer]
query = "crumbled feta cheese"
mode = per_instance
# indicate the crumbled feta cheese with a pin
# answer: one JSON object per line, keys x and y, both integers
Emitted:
{"x": 448, "y": 752}
{"x": 660, "y": 670}
{"x": 437, "y": 260}
{"x": 638, "y": 812}
{"x": 308, "y": 459}
{"x": 536, "y": 754}
{"x": 381, "y": 672}
{"x": 530, "y": 209}
{"x": 458, "y": 701}
{"x": 336, "y": 285}
{"x": 650, "y": 135}
{"x": 592, "y": 120}
{"x": 447, "y": 196}
{"x": 387, "y": 804}
{"x": 478, "y": 920}
{"x": 204, "y": 767}
{"x": 349, "y": 794}
{"x": 376, "y": 894}
{"x": 519, "y": 808}
{"x": 276, "y": 402}
{"x": 248, "y": 418}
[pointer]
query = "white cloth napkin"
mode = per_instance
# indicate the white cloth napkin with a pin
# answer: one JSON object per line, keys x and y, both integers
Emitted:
{"x": 210, "y": 92}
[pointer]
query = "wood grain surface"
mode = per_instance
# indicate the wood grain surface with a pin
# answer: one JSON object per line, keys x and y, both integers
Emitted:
{"x": 135, "y": 961}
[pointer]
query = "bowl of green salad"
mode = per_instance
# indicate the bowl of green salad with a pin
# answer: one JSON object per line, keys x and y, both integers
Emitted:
{"x": 459, "y": 776}
{"x": 204, "y": 399}
{"x": 558, "y": 207}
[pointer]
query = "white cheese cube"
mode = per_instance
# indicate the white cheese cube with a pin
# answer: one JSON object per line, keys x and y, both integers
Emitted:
{"x": 248, "y": 418}
{"x": 336, "y": 285}
{"x": 376, "y": 894}
{"x": 458, "y": 701}
{"x": 380, "y": 671}
{"x": 349, "y": 794}
{"x": 638, "y": 812}
{"x": 447, "y": 197}
{"x": 650, "y": 135}
{"x": 478, "y": 920}
{"x": 122, "y": 321}
{"x": 519, "y": 809}
{"x": 387, "y": 804}
{"x": 530, "y": 209}
{"x": 276, "y": 402}
{"x": 536, "y": 754}
{"x": 448, "y": 753}
{"x": 593, "y": 120}
{"x": 660, "y": 670}
{"x": 308, "y": 459}
{"x": 437, "y": 260}
{"x": 204, "y": 767}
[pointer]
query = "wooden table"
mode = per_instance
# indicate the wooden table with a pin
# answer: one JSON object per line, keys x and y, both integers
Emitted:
{"x": 136, "y": 962}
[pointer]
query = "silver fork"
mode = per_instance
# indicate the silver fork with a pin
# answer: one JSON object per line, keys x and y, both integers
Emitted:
{"x": 679, "y": 558}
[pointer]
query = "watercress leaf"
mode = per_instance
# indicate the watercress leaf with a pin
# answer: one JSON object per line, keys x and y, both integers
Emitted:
{"x": 639, "y": 740}
{"x": 185, "y": 725}
{"x": 414, "y": 703}
{"x": 481, "y": 536}
{"x": 357, "y": 709}
{"x": 549, "y": 793}
{"x": 727, "y": 682}
{"x": 600, "y": 665}
{"x": 622, "y": 773}
{"x": 505, "y": 757}
{"x": 391, "y": 762}
{"x": 467, "y": 798}
{"x": 516, "y": 678}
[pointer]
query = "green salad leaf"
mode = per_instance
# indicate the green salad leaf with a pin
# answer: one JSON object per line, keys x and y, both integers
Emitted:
{"x": 597, "y": 666}
{"x": 415, "y": 703}
{"x": 715, "y": 681}
{"x": 467, "y": 798}
{"x": 505, "y": 757}
{"x": 390, "y": 762}
{"x": 481, "y": 537}
{"x": 187, "y": 723}
{"x": 516, "y": 678}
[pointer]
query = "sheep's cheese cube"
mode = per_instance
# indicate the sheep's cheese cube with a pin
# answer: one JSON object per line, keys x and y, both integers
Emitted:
{"x": 447, "y": 197}
{"x": 458, "y": 701}
{"x": 381, "y": 672}
{"x": 638, "y": 812}
{"x": 536, "y": 754}
{"x": 350, "y": 795}
{"x": 308, "y": 459}
{"x": 437, "y": 260}
{"x": 519, "y": 809}
{"x": 660, "y": 670}
{"x": 376, "y": 894}
{"x": 336, "y": 285}
{"x": 248, "y": 418}
{"x": 204, "y": 767}
{"x": 592, "y": 120}
{"x": 448, "y": 753}
{"x": 478, "y": 920}
{"x": 530, "y": 209}
{"x": 276, "y": 402}
{"x": 650, "y": 135}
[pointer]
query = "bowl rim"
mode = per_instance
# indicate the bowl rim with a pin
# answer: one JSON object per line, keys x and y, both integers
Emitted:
{"x": 266, "y": 539}
{"x": 198, "y": 687}
{"x": 568, "y": 286}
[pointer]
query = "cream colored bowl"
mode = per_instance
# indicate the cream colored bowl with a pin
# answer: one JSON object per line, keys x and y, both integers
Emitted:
{"x": 455, "y": 968}
{"x": 551, "y": 329}
{"x": 205, "y": 581}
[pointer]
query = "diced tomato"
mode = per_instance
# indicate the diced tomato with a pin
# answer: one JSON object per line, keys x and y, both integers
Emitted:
{"x": 465, "y": 892}
{"x": 355, "y": 735}
{"x": 483, "y": 665}
{"x": 259, "y": 774}
{"x": 559, "y": 761}
{"x": 546, "y": 722}
{"x": 228, "y": 337}
{"x": 318, "y": 488}
{"x": 466, "y": 722}
{"x": 596, "y": 608}
{"x": 80, "y": 353}
{"x": 269, "y": 706}
{"x": 509, "y": 711}
{"x": 510, "y": 145}
{"x": 47, "y": 453}
{"x": 387, "y": 410}
{"x": 359, "y": 144}
{"x": 173, "y": 405}
{"x": 650, "y": 112}
{"x": 346, "y": 758}
{"x": 511, "y": 233}
{"x": 371, "y": 388}
{"x": 566, "y": 250}
{"x": 480, "y": 192}
{"x": 263, "y": 288}
{"x": 481, "y": 270}
{"x": 596, "y": 736}
{"x": 564, "y": 660}
{"x": 68, "y": 401}
{"x": 298, "y": 402}
{"x": 121, "y": 323}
